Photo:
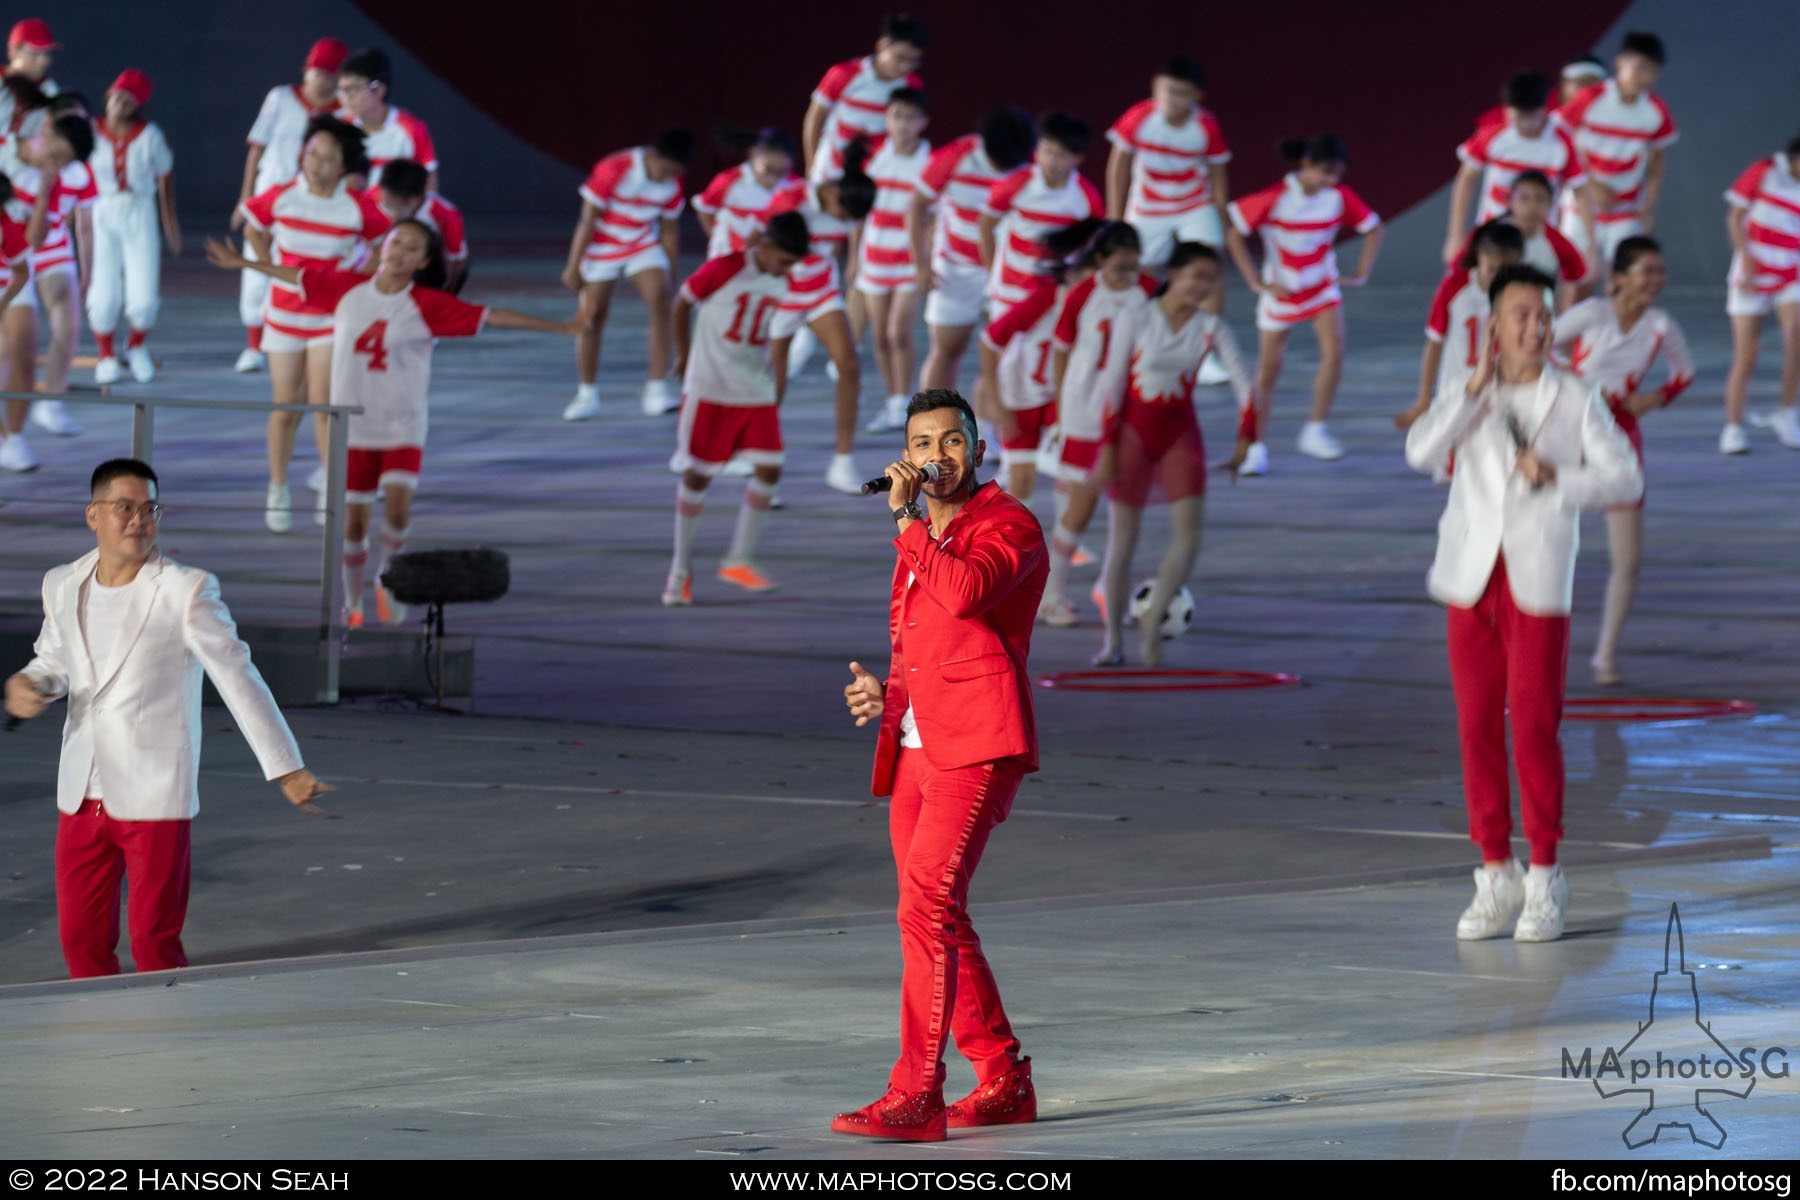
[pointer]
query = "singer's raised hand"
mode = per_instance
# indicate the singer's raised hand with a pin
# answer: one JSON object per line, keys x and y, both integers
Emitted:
{"x": 863, "y": 695}
{"x": 906, "y": 482}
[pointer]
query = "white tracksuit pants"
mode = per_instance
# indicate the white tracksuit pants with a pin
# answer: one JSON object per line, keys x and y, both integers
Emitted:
{"x": 127, "y": 263}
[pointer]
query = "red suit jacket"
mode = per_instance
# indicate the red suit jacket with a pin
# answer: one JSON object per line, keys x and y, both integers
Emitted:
{"x": 961, "y": 634}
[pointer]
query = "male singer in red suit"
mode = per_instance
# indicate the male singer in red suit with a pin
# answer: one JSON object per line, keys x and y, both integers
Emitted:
{"x": 957, "y": 736}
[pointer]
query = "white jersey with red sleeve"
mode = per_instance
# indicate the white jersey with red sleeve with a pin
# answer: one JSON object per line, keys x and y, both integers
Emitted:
{"x": 957, "y": 179}
{"x": 1459, "y": 313}
{"x": 1589, "y": 342}
{"x": 15, "y": 250}
{"x": 381, "y": 350}
{"x": 1169, "y": 173}
{"x": 1298, "y": 231}
{"x": 1163, "y": 363}
{"x": 813, "y": 286}
{"x": 1025, "y": 337}
{"x": 736, "y": 201}
{"x": 1555, "y": 255}
{"x": 1769, "y": 195}
{"x": 311, "y": 231}
{"x": 1027, "y": 209}
{"x": 632, "y": 206}
{"x": 402, "y": 135}
{"x": 280, "y": 129}
{"x": 1502, "y": 152}
{"x": 1615, "y": 138}
{"x": 1092, "y": 329}
{"x": 855, "y": 100}
{"x": 728, "y": 356}
{"x": 131, "y": 162}
{"x": 884, "y": 255}
{"x": 447, "y": 219}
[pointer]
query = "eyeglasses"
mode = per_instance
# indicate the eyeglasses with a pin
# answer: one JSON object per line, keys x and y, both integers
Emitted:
{"x": 150, "y": 510}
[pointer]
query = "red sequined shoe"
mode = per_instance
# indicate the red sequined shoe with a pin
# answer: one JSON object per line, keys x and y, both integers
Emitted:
{"x": 910, "y": 1116}
{"x": 1007, "y": 1100}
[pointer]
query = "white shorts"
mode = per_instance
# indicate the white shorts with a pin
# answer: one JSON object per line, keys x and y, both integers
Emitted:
{"x": 279, "y": 341}
{"x": 1607, "y": 236}
{"x": 1755, "y": 304}
{"x": 28, "y": 297}
{"x": 883, "y": 287}
{"x": 604, "y": 270}
{"x": 957, "y": 297}
{"x": 1159, "y": 234}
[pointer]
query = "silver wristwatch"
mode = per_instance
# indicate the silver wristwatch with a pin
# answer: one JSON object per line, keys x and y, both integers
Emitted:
{"x": 909, "y": 509}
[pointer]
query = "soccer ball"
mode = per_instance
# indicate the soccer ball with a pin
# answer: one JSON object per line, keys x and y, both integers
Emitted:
{"x": 1178, "y": 620}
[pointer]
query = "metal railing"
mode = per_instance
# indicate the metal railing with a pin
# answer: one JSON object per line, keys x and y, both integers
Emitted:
{"x": 331, "y": 579}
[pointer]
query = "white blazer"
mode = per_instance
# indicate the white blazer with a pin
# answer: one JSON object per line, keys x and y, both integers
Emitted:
{"x": 1492, "y": 509}
{"x": 137, "y": 716}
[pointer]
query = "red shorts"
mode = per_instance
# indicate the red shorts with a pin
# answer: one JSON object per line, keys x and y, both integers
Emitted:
{"x": 371, "y": 470}
{"x": 1079, "y": 458}
{"x": 1159, "y": 446}
{"x": 712, "y": 434}
{"x": 1032, "y": 423}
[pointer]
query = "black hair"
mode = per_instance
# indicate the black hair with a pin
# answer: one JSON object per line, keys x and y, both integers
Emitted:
{"x": 1112, "y": 237}
{"x": 855, "y": 190}
{"x": 6, "y": 189}
{"x": 1066, "y": 247}
{"x": 932, "y": 399}
{"x": 1533, "y": 175}
{"x": 115, "y": 468}
{"x": 676, "y": 145}
{"x": 1632, "y": 249}
{"x": 1498, "y": 234}
{"x": 1185, "y": 254}
{"x": 70, "y": 102}
{"x": 771, "y": 138}
{"x": 1590, "y": 60}
{"x": 1792, "y": 149}
{"x": 1071, "y": 133}
{"x": 26, "y": 94}
{"x": 787, "y": 232}
{"x": 372, "y": 65}
{"x": 348, "y": 137}
{"x": 1185, "y": 69}
{"x": 910, "y": 95}
{"x": 1007, "y": 135}
{"x": 1320, "y": 148}
{"x": 1526, "y": 90}
{"x": 1513, "y": 273}
{"x": 405, "y": 178}
{"x": 434, "y": 272}
{"x": 1646, "y": 44}
{"x": 78, "y": 131}
{"x": 904, "y": 27}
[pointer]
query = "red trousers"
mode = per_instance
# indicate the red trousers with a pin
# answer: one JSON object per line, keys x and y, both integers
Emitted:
{"x": 939, "y": 822}
{"x": 1502, "y": 659}
{"x": 94, "y": 853}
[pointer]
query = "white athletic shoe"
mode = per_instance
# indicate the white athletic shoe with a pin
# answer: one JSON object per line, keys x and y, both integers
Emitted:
{"x": 842, "y": 475}
{"x": 678, "y": 590}
{"x": 800, "y": 351}
{"x": 52, "y": 417}
{"x": 586, "y": 404}
{"x": 1058, "y": 613}
{"x": 108, "y": 371}
{"x": 1546, "y": 902}
{"x": 1787, "y": 427}
{"x": 1499, "y": 895}
{"x": 250, "y": 361}
{"x": 315, "y": 479}
{"x": 891, "y": 417}
{"x": 16, "y": 455}
{"x": 659, "y": 398}
{"x": 1256, "y": 460}
{"x": 1213, "y": 372}
{"x": 1315, "y": 441}
{"x": 1733, "y": 440}
{"x": 143, "y": 367}
{"x": 319, "y": 508}
{"x": 278, "y": 509}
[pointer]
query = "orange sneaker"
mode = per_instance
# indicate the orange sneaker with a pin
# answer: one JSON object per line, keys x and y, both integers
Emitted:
{"x": 353, "y": 617}
{"x": 388, "y": 610}
{"x": 1082, "y": 556}
{"x": 678, "y": 590}
{"x": 746, "y": 576}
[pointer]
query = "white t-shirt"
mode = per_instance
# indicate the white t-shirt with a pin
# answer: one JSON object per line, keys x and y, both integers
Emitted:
{"x": 102, "y": 619}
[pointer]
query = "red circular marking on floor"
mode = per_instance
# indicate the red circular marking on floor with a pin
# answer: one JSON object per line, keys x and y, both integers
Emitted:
{"x": 1651, "y": 708}
{"x": 1154, "y": 679}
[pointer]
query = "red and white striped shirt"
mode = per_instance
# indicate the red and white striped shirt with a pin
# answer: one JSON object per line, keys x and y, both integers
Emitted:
{"x": 447, "y": 219}
{"x": 15, "y": 250}
{"x": 1025, "y": 336}
{"x": 1169, "y": 164}
{"x": 1588, "y": 340}
{"x": 884, "y": 255}
{"x": 1770, "y": 197}
{"x": 1093, "y": 324}
{"x": 130, "y": 162}
{"x": 957, "y": 178}
{"x": 728, "y": 358}
{"x": 632, "y": 206}
{"x": 311, "y": 231}
{"x": 1028, "y": 208}
{"x": 1298, "y": 231}
{"x": 280, "y": 129}
{"x": 1615, "y": 139}
{"x": 1549, "y": 251}
{"x": 1459, "y": 313}
{"x": 813, "y": 280}
{"x": 856, "y": 100}
{"x": 72, "y": 189}
{"x": 1502, "y": 152}
{"x": 402, "y": 135}
{"x": 736, "y": 202}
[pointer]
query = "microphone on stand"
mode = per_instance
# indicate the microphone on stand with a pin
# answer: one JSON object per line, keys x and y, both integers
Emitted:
{"x": 883, "y": 484}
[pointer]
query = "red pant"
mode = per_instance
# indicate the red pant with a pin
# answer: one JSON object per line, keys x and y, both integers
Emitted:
{"x": 94, "y": 853}
{"x": 1502, "y": 659}
{"x": 939, "y": 822}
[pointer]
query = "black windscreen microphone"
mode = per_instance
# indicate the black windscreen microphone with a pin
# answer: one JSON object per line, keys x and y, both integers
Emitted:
{"x": 883, "y": 484}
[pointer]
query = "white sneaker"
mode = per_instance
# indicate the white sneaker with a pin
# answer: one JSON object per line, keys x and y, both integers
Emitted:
{"x": 1733, "y": 440}
{"x": 1315, "y": 441}
{"x": 1213, "y": 372}
{"x": 108, "y": 371}
{"x": 659, "y": 398}
{"x": 1256, "y": 460}
{"x": 319, "y": 508}
{"x": 1787, "y": 427}
{"x": 586, "y": 404}
{"x": 800, "y": 352}
{"x": 1499, "y": 895}
{"x": 16, "y": 455}
{"x": 1546, "y": 900}
{"x": 50, "y": 415}
{"x": 1058, "y": 613}
{"x": 678, "y": 590}
{"x": 278, "y": 512}
{"x": 251, "y": 360}
{"x": 891, "y": 417}
{"x": 315, "y": 479}
{"x": 143, "y": 367}
{"x": 843, "y": 476}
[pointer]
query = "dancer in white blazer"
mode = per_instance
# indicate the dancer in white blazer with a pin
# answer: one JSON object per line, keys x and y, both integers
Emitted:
{"x": 127, "y": 633}
{"x": 1532, "y": 447}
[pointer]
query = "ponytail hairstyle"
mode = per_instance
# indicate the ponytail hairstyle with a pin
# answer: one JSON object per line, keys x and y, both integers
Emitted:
{"x": 1109, "y": 239}
{"x": 1499, "y": 235}
{"x": 1185, "y": 254}
{"x": 1320, "y": 148}
{"x": 76, "y": 130}
{"x": 856, "y": 191}
{"x": 71, "y": 102}
{"x": 1630, "y": 250}
{"x": 348, "y": 137}
{"x": 1067, "y": 247}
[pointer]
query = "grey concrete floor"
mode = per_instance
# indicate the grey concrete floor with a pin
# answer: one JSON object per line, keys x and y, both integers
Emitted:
{"x": 1222, "y": 919}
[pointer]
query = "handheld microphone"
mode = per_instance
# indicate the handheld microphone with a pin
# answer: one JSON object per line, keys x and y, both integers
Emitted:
{"x": 1516, "y": 430}
{"x": 884, "y": 484}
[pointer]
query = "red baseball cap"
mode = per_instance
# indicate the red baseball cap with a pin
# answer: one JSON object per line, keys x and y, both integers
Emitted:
{"x": 133, "y": 83}
{"x": 327, "y": 54}
{"x": 34, "y": 33}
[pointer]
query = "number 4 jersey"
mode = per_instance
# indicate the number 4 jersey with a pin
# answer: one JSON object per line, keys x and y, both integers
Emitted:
{"x": 728, "y": 358}
{"x": 381, "y": 350}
